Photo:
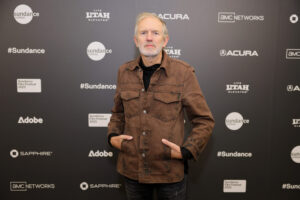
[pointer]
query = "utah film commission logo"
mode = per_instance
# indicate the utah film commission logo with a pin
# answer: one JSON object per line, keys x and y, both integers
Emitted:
{"x": 96, "y": 51}
{"x": 23, "y": 14}
{"x": 97, "y": 15}
{"x": 296, "y": 123}
{"x": 234, "y": 121}
{"x": 294, "y": 18}
{"x": 237, "y": 88}
{"x": 295, "y": 154}
{"x": 173, "y": 52}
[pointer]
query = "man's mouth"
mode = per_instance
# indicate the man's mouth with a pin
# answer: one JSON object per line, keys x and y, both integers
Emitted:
{"x": 149, "y": 45}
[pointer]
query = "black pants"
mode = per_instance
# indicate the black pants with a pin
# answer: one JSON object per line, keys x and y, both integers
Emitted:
{"x": 164, "y": 191}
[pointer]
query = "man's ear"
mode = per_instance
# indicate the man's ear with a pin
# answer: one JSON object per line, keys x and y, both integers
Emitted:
{"x": 166, "y": 41}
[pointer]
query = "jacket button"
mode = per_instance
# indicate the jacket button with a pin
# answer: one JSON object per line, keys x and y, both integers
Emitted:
{"x": 145, "y": 111}
{"x": 144, "y": 133}
{"x": 143, "y": 90}
{"x": 143, "y": 155}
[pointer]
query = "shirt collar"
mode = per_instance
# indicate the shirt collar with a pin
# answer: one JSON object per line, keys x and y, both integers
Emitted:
{"x": 165, "y": 64}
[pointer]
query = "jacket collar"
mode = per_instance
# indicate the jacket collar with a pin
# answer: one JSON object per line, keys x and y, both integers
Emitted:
{"x": 165, "y": 64}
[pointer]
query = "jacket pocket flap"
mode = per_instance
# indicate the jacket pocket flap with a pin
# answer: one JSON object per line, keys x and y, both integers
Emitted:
{"x": 167, "y": 97}
{"x": 127, "y": 95}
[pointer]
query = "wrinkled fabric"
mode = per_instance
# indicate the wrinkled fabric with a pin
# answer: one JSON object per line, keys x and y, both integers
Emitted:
{"x": 158, "y": 113}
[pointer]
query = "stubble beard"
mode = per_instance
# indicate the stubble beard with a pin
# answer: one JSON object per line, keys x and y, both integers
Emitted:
{"x": 151, "y": 53}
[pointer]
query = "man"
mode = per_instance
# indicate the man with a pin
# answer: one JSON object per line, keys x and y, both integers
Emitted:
{"x": 147, "y": 122}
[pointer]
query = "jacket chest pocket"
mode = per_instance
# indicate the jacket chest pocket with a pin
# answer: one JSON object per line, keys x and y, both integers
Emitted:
{"x": 131, "y": 103}
{"x": 165, "y": 105}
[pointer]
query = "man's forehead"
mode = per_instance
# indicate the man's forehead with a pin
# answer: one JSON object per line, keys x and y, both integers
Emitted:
{"x": 150, "y": 23}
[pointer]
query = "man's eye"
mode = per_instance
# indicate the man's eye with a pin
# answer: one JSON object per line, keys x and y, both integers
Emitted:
{"x": 156, "y": 33}
{"x": 143, "y": 33}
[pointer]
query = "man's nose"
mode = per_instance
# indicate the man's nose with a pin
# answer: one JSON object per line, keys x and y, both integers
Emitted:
{"x": 149, "y": 36}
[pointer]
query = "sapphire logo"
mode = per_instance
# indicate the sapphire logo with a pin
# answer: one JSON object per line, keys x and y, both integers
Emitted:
{"x": 15, "y": 153}
{"x": 294, "y": 18}
{"x": 85, "y": 186}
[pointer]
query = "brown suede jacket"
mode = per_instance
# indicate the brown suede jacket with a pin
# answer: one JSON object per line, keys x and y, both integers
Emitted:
{"x": 157, "y": 113}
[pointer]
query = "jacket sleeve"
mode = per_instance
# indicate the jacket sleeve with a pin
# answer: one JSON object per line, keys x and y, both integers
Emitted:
{"x": 198, "y": 113}
{"x": 117, "y": 121}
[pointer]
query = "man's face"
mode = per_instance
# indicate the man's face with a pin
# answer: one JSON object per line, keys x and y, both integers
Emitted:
{"x": 150, "y": 38}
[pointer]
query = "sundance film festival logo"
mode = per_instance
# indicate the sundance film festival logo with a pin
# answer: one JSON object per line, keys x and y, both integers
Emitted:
{"x": 296, "y": 123}
{"x": 295, "y": 154}
{"x": 292, "y": 54}
{"x": 294, "y": 18}
{"x": 30, "y": 120}
{"x": 234, "y": 121}
{"x": 238, "y": 53}
{"x": 15, "y": 153}
{"x": 23, "y": 186}
{"x": 172, "y": 52}
{"x": 29, "y": 85}
{"x": 293, "y": 88}
{"x": 23, "y": 14}
{"x": 99, "y": 119}
{"x": 99, "y": 86}
{"x": 236, "y": 154}
{"x": 14, "y": 50}
{"x": 101, "y": 154}
{"x": 86, "y": 186}
{"x": 289, "y": 186}
{"x": 231, "y": 17}
{"x": 234, "y": 186}
{"x": 96, "y": 51}
{"x": 237, "y": 88}
{"x": 97, "y": 16}
{"x": 173, "y": 16}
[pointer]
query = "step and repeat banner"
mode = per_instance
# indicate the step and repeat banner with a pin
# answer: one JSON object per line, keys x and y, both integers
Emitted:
{"x": 59, "y": 62}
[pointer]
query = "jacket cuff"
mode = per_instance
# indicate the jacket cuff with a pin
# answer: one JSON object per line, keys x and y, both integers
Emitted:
{"x": 186, "y": 154}
{"x": 110, "y": 136}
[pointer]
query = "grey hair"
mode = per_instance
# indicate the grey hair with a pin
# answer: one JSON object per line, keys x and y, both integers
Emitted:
{"x": 144, "y": 15}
